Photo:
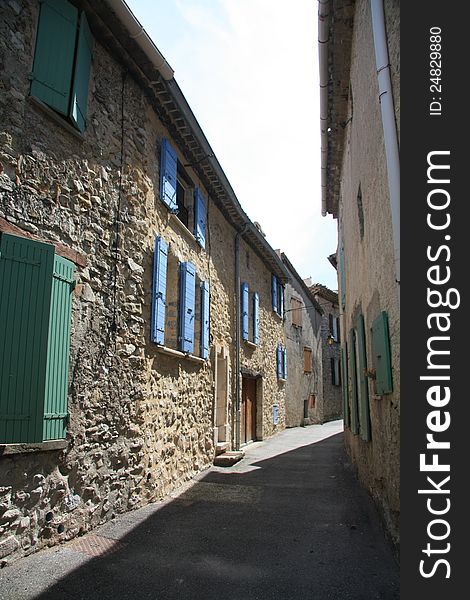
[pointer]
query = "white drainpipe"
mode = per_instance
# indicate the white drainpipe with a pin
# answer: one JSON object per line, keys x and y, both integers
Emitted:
{"x": 323, "y": 33}
{"x": 388, "y": 122}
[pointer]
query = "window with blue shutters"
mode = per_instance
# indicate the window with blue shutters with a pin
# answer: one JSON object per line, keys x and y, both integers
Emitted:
{"x": 244, "y": 309}
{"x": 168, "y": 180}
{"x": 160, "y": 261}
{"x": 187, "y": 311}
{"x": 281, "y": 362}
{"x": 62, "y": 60}
{"x": 200, "y": 218}
{"x": 256, "y": 318}
{"x": 34, "y": 340}
{"x": 205, "y": 325}
{"x": 277, "y": 296}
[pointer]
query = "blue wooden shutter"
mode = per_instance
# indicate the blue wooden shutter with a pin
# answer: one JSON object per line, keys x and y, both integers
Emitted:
{"x": 78, "y": 108}
{"x": 205, "y": 325}
{"x": 200, "y": 218}
{"x": 57, "y": 370}
{"x": 382, "y": 355}
{"x": 54, "y": 54}
{"x": 342, "y": 276}
{"x": 281, "y": 300}
{"x": 187, "y": 306}
{"x": 160, "y": 260}
{"x": 279, "y": 361}
{"x": 256, "y": 318}
{"x": 284, "y": 363}
{"x": 274, "y": 292}
{"x": 244, "y": 311}
{"x": 354, "y": 383}
{"x": 345, "y": 382}
{"x": 168, "y": 164}
{"x": 26, "y": 269}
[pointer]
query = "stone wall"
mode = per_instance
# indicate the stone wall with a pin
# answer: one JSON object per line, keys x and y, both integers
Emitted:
{"x": 141, "y": 420}
{"x": 301, "y": 385}
{"x": 369, "y": 258}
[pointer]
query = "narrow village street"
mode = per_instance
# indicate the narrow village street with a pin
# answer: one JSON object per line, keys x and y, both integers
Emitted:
{"x": 289, "y": 521}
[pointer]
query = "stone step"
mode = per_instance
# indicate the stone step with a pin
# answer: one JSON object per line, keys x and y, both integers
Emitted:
{"x": 227, "y": 459}
{"x": 221, "y": 447}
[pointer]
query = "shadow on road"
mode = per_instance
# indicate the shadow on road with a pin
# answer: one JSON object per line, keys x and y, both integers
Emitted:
{"x": 294, "y": 526}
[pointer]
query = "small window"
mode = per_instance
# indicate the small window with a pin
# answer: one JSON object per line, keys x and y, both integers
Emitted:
{"x": 281, "y": 362}
{"x": 312, "y": 401}
{"x": 62, "y": 60}
{"x": 335, "y": 371}
{"x": 360, "y": 212}
{"x": 296, "y": 310}
{"x": 277, "y": 293}
{"x": 307, "y": 360}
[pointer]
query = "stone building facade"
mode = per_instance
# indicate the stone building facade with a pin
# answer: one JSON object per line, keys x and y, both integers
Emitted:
{"x": 111, "y": 195}
{"x": 312, "y": 393}
{"x": 361, "y": 161}
{"x": 330, "y": 332}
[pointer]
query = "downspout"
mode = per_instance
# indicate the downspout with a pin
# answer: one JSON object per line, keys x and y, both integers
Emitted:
{"x": 388, "y": 123}
{"x": 237, "y": 337}
{"x": 323, "y": 38}
{"x": 137, "y": 32}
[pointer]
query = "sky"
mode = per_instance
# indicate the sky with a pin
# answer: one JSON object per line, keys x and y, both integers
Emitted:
{"x": 249, "y": 71}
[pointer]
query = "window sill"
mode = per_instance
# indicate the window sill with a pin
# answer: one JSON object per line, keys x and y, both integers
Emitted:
{"x": 187, "y": 233}
{"x": 278, "y": 316}
{"x": 281, "y": 379}
{"x": 13, "y": 449}
{"x": 56, "y": 117}
{"x": 179, "y": 354}
{"x": 250, "y": 344}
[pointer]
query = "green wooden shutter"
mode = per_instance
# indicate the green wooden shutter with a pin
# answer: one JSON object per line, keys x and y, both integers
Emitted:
{"x": 26, "y": 269}
{"x": 364, "y": 411}
{"x": 345, "y": 382}
{"x": 382, "y": 355}
{"x": 57, "y": 370}
{"x": 78, "y": 108}
{"x": 354, "y": 399}
{"x": 54, "y": 54}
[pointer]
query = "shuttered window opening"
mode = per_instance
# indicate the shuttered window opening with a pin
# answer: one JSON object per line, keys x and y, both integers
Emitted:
{"x": 296, "y": 311}
{"x": 345, "y": 382}
{"x": 200, "y": 218}
{"x": 35, "y": 314}
{"x": 205, "y": 323}
{"x": 62, "y": 60}
{"x": 342, "y": 276}
{"x": 382, "y": 355}
{"x": 168, "y": 181}
{"x": 277, "y": 296}
{"x": 354, "y": 383}
{"x": 159, "y": 280}
{"x": 335, "y": 371}
{"x": 244, "y": 309}
{"x": 307, "y": 360}
{"x": 256, "y": 318}
{"x": 187, "y": 307}
{"x": 363, "y": 384}
{"x": 281, "y": 361}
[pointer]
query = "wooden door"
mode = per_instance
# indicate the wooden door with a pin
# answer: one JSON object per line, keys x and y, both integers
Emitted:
{"x": 248, "y": 410}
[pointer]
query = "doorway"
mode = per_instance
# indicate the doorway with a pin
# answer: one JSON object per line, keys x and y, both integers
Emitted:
{"x": 248, "y": 410}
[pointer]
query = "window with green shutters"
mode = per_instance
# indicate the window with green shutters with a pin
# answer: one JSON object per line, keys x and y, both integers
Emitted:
{"x": 363, "y": 384}
{"x": 35, "y": 314}
{"x": 382, "y": 355}
{"x": 62, "y": 60}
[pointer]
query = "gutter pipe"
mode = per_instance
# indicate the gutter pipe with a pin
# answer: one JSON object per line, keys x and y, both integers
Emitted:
{"x": 388, "y": 122}
{"x": 323, "y": 38}
{"x": 137, "y": 32}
